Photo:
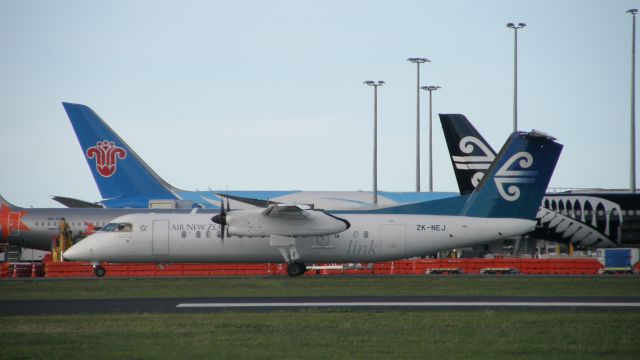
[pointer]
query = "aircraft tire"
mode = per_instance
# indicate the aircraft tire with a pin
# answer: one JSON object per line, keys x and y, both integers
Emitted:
{"x": 296, "y": 269}
{"x": 99, "y": 271}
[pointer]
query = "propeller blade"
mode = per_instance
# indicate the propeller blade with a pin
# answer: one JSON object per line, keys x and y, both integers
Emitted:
{"x": 221, "y": 219}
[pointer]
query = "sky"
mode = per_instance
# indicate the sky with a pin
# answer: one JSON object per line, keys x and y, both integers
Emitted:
{"x": 269, "y": 95}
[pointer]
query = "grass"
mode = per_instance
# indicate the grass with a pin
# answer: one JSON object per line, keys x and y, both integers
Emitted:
{"x": 284, "y": 286}
{"x": 325, "y": 335}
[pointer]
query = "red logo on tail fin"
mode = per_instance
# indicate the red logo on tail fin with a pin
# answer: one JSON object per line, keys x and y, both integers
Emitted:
{"x": 106, "y": 154}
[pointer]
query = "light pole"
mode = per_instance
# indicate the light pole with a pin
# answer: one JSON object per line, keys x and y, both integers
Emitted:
{"x": 633, "y": 12}
{"x": 418, "y": 61}
{"x": 430, "y": 89}
{"x": 375, "y": 137}
{"x": 515, "y": 72}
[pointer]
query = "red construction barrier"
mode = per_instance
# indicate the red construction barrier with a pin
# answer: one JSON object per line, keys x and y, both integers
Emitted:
{"x": 559, "y": 266}
{"x": 4, "y": 270}
{"x": 67, "y": 269}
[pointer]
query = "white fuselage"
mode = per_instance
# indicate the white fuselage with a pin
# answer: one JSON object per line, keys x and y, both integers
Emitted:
{"x": 163, "y": 238}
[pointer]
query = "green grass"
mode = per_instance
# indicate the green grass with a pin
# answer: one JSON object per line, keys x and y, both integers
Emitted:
{"x": 322, "y": 334}
{"x": 306, "y": 286}
{"x": 325, "y": 335}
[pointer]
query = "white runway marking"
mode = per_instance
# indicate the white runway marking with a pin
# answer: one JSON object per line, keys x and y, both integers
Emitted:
{"x": 414, "y": 304}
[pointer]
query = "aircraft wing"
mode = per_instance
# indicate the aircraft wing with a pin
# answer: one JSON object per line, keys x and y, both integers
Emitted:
{"x": 250, "y": 201}
{"x": 75, "y": 203}
{"x": 286, "y": 211}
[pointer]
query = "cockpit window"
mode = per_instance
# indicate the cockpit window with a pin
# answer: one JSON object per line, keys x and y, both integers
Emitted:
{"x": 117, "y": 227}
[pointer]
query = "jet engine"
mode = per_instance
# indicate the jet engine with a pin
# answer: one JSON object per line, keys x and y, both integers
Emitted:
{"x": 281, "y": 220}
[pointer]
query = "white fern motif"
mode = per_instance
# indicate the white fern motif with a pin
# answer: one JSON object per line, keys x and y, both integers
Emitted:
{"x": 468, "y": 145}
{"x": 510, "y": 174}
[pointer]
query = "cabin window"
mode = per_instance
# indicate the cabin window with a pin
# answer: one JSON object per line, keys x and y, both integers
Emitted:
{"x": 183, "y": 234}
{"x": 219, "y": 234}
{"x": 365, "y": 234}
{"x": 198, "y": 233}
{"x": 356, "y": 234}
{"x": 208, "y": 234}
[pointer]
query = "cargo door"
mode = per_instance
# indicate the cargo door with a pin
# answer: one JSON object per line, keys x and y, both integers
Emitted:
{"x": 160, "y": 235}
{"x": 393, "y": 239}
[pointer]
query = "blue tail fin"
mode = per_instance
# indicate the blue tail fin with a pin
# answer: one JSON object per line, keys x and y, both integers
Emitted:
{"x": 117, "y": 169}
{"x": 517, "y": 180}
{"x": 512, "y": 188}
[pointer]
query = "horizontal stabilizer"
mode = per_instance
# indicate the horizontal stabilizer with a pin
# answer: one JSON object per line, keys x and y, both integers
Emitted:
{"x": 75, "y": 203}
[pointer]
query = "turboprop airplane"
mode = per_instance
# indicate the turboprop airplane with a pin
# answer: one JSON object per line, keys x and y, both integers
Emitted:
{"x": 125, "y": 180}
{"x": 586, "y": 218}
{"x": 504, "y": 204}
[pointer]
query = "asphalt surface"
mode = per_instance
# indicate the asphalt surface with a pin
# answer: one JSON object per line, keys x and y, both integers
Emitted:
{"x": 412, "y": 303}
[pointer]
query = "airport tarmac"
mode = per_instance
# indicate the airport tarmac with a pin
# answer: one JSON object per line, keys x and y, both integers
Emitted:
{"x": 411, "y": 303}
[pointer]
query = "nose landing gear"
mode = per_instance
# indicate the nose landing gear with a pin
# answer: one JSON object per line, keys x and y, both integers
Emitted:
{"x": 99, "y": 270}
{"x": 296, "y": 269}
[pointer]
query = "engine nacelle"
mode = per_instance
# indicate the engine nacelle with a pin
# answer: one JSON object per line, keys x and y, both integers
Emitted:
{"x": 301, "y": 223}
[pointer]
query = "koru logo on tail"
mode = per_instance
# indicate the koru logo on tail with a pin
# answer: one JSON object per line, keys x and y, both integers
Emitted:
{"x": 468, "y": 145}
{"x": 106, "y": 154}
{"x": 508, "y": 174}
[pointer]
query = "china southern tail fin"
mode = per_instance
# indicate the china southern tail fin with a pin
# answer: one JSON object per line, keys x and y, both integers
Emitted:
{"x": 513, "y": 186}
{"x": 118, "y": 171}
{"x": 471, "y": 155}
{"x": 516, "y": 182}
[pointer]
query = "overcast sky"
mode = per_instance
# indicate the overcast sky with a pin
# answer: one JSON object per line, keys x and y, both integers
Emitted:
{"x": 268, "y": 95}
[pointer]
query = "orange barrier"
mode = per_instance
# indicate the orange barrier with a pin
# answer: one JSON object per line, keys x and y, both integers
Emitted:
{"x": 18, "y": 270}
{"x": 70, "y": 269}
{"x": 560, "y": 266}
{"x": 4, "y": 270}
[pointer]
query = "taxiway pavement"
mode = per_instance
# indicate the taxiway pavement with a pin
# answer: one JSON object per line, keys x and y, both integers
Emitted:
{"x": 411, "y": 303}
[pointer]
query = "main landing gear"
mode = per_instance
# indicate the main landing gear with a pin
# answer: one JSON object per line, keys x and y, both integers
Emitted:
{"x": 296, "y": 269}
{"x": 99, "y": 270}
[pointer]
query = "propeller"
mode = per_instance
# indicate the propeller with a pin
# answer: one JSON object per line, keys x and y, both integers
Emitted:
{"x": 221, "y": 219}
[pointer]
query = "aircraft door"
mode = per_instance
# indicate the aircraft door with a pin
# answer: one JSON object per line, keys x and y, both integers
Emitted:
{"x": 14, "y": 223}
{"x": 393, "y": 239}
{"x": 160, "y": 237}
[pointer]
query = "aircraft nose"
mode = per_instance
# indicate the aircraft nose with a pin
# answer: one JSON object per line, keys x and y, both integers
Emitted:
{"x": 77, "y": 252}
